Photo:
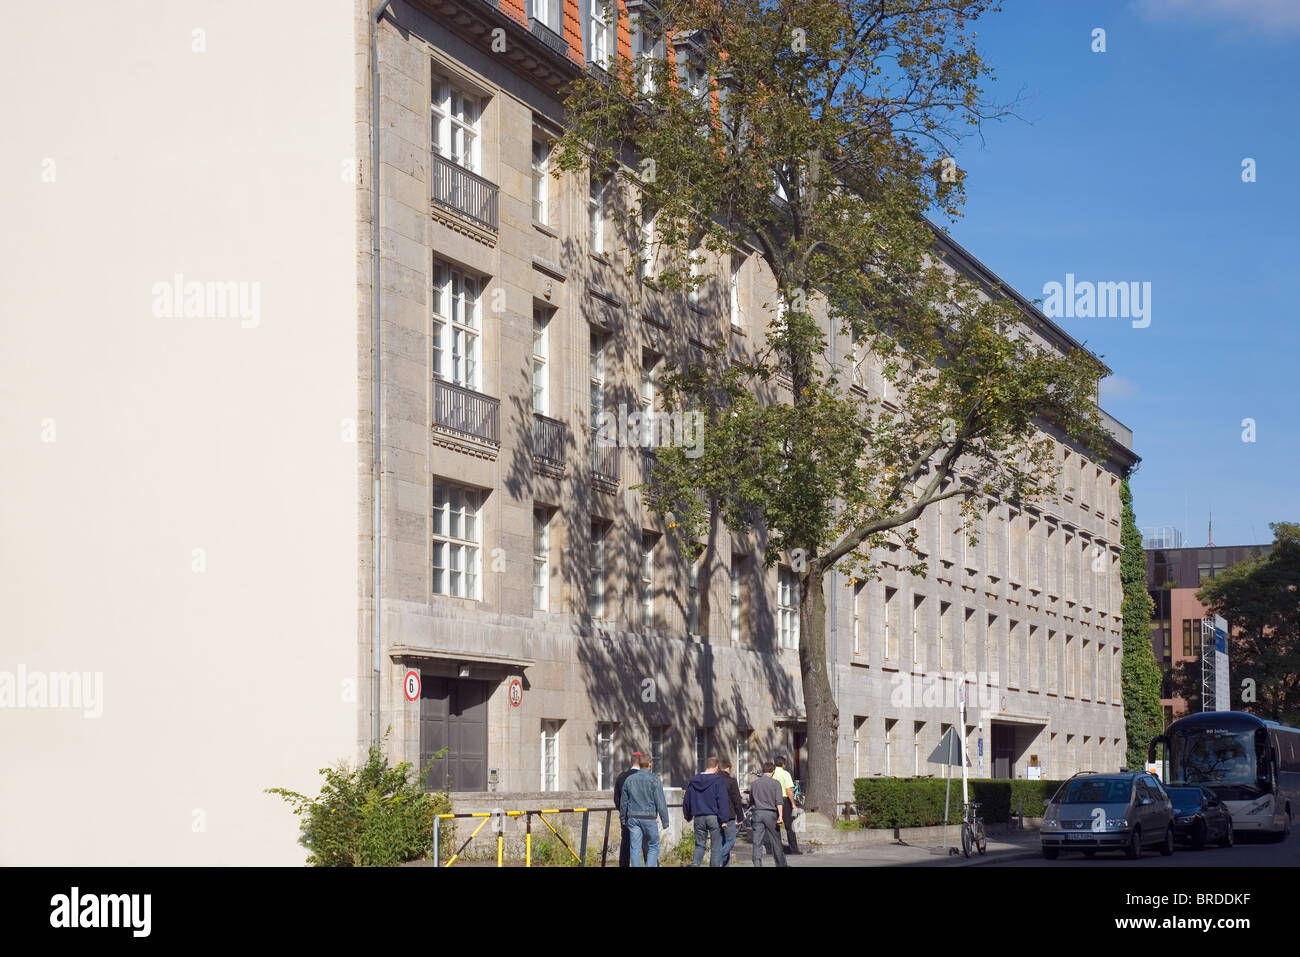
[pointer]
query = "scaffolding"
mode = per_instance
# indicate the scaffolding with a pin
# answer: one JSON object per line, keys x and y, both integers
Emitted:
{"x": 1209, "y": 700}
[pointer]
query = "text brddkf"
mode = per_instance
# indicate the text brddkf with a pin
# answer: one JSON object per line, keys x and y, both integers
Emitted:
{"x": 102, "y": 910}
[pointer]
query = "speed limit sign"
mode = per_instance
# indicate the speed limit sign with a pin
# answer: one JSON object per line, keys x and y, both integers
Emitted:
{"x": 412, "y": 686}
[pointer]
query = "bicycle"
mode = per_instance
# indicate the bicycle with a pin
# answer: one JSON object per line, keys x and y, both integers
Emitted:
{"x": 973, "y": 834}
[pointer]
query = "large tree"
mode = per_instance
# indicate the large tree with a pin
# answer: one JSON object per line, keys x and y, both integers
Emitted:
{"x": 818, "y": 134}
{"x": 1140, "y": 675}
{"x": 1260, "y": 600}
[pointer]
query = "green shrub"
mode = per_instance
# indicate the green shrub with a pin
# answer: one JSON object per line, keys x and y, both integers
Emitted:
{"x": 683, "y": 854}
{"x": 371, "y": 816}
{"x": 918, "y": 802}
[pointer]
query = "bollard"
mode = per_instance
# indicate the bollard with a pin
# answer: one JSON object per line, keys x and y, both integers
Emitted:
{"x": 437, "y": 838}
{"x": 582, "y": 848}
{"x": 528, "y": 839}
{"x": 604, "y": 850}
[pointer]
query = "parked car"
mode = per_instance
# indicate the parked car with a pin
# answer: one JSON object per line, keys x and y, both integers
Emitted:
{"x": 1094, "y": 812}
{"x": 1200, "y": 818}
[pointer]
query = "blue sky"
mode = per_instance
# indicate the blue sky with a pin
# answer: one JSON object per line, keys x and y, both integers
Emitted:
{"x": 1127, "y": 166}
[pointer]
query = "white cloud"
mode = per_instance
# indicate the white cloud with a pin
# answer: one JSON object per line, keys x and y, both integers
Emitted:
{"x": 1271, "y": 16}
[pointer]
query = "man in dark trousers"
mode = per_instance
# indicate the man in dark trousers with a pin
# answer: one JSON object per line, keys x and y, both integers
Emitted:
{"x": 706, "y": 804}
{"x": 625, "y": 839}
{"x": 782, "y": 777}
{"x": 766, "y": 799}
{"x": 732, "y": 830}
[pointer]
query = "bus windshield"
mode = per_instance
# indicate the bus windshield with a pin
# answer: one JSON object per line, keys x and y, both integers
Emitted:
{"x": 1214, "y": 757}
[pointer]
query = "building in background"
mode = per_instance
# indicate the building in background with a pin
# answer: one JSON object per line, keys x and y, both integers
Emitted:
{"x": 1173, "y": 577}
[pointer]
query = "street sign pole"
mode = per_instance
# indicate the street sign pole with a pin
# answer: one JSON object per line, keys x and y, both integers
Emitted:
{"x": 961, "y": 730}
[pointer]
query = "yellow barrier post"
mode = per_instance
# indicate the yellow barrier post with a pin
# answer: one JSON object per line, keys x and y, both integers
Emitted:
{"x": 528, "y": 839}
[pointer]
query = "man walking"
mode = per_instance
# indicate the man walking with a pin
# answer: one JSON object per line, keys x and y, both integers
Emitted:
{"x": 619, "y": 781}
{"x": 706, "y": 804}
{"x": 642, "y": 802}
{"x": 731, "y": 830}
{"x": 782, "y": 777}
{"x": 765, "y": 799}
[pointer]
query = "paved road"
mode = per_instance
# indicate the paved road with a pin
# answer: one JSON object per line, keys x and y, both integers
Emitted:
{"x": 1249, "y": 852}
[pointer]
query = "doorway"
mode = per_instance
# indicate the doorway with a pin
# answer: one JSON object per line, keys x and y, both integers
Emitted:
{"x": 453, "y": 715}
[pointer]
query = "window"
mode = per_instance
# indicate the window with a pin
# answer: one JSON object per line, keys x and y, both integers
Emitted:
{"x": 541, "y": 559}
{"x": 649, "y": 372}
{"x": 693, "y": 599}
{"x": 1053, "y": 566}
{"x": 596, "y": 199}
{"x": 1053, "y": 661}
{"x": 647, "y": 589}
{"x": 703, "y": 741}
{"x": 968, "y": 640}
{"x": 601, "y": 17}
{"x": 744, "y": 764}
{"x": 541, "y": 356}
{"x": 604, "y": 756}
{"x": 889, "y": 746}
{"x": 787, "y": 604}
{"x": 596, "y": 572}
{"x": 456, "y": 326}
{"x": 658, "y": 735}
{"x": 548, "y": 14}
{"x": 1031, "y": 667}
{"x": 859, "y": 623}
{"x": 888, "y": 636}
{"x": 647, "y": 48}
{"x": 859, "y": 731}
{"x": 456, "y": 123}
{"x": 733, "y": 290}
{"x": 945, "y": 634}
{"x": 596, "y": 378}
{"x": 990, "y": 645}
{"x": 456, "y": 542}
{"x": 737, "y": 566}
{"x": 1071, "y": 666}
{"x": 541, "y": 181}
{"x": 550, "y": 755}
{"x": 918, "y": 730}
{"x": 1013, "y": 654}
{"x": 1187, "y": 638}
{"x": 647, "y": 241}
{"x": 917, "y": 602}
{"x": 696, "y": 269}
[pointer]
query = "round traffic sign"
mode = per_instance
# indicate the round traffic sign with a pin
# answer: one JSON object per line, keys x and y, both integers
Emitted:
{"x": 516, "y": 692}
{"x": 412, "y": 686}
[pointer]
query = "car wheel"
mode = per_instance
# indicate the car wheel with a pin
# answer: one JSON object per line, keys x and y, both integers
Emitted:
{"x": 1198, "y": 835}
{"x": 1283, "y": 834}
{"x": 1134, "y": 849}
{"x": 1167, "y": 848}
{"x": 1051, "y": 853}
{"x": 1227, "y": 836}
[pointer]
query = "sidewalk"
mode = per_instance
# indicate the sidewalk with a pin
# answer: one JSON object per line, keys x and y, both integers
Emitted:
{"x": 1004, "y": 847}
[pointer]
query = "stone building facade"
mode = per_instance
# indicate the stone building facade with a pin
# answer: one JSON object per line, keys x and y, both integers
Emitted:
{"x": 552, "y": 626}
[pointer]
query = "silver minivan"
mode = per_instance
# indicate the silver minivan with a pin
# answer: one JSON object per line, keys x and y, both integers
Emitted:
{"x": 1095, "y": 812}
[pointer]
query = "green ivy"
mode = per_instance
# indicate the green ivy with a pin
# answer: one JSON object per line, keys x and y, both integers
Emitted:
{"x": 918, "y": 802}
{"x": 1139, "y": 672}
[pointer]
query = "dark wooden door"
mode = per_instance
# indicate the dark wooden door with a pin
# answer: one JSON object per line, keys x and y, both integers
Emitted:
{"x": 1003, "y": 746}
{"x": 453, "y": 714}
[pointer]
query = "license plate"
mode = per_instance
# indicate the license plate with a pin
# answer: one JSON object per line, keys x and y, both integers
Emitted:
{"x": 1081, "y": 836}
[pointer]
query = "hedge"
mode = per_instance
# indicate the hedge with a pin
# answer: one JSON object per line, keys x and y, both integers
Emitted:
{"x": 918, "y": 802}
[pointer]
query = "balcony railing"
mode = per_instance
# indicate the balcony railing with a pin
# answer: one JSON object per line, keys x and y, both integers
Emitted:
{"x": 464, "y": 192}
{"x": 547, "y": 35}
{"x": 604, "y": 461}
{"x": 549, "y": 439}
{"x": 462, "y": 410}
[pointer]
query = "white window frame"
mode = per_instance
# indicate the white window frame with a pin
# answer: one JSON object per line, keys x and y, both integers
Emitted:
{"x": 550, "y": 757}
{"x": 606, "y": 732}
{"x": 456, "y": 118}
{"x": 549, "y": 13}
{"x": 646, "y": 589}
{"x": 596, "y": 378}
{"x": 733, "y": 291}
{"x": 541, "y": 181}
{"x": 647, "y": 242}
{"x": 541, "y": 360}
{"x": 858, "y": 591}
{"x": 596, "y": 568}
{"x": 733, "y": 595}
{"x": 457, "y": 541}
{"x": 787, "y": 603}
{"x": 601, "y": 18}
{"x": 456, "y": 333}
{"x": 693, "y": 599}
{"x": 541, "y": 559}
{"x": 645, "y": 53}
{"x": 658, "y": 735}
{"x": 598, "y": 190}
{"x": 888, "y": 642}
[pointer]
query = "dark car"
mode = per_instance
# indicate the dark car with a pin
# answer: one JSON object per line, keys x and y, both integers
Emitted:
{"x": 1200, "y": 818}
{"x": 1095, "y": 812}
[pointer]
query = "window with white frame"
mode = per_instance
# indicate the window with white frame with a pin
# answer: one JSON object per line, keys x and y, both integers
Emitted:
{"x": 737, "y": 562}
{"x": 541, "y": 559}
{"x": 647, "y": 49}
{"x": 859, "y": 731}
{"x": 456, "y": 327}
{"x": 859, "y": 619}
{"x": 596, "y": 571}
{"x": 890, "y": 723}
{"x": 597, "y": 197}
{"x": 658, "y": 735}
{"x": 647, "y": 242}
{"x": 601, "y": 18}
{"x": 605, "y": 755}
{"x": 550, "y": 754}
{"x": 541, "y": 181}
{"x": 649, "y": 373}
{"x": 693, "y": 599}
{"x": 541, "y": 360}
{"x": 733, "y": 289}
{"x": 456, "y": 541}
{"x": 918, "y": 601}
{"x": 549, "y": 13}
{"x": 887, "y": 624}
{"x": 596, "y": 378}
{"x": 918, "y": 731}
{"x": 456, "y": 114}
{"x": 696, "y": 270}
{"x": 787, "y": 604}
{"x": 647, "y": 584}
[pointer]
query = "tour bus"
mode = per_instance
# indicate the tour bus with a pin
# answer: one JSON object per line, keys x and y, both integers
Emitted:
{"x": 1252, "y": 766}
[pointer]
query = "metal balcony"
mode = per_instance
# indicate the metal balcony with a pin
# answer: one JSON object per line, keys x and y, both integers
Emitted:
{"x": 466, "y": 412}
{"x": 550, "y": 436}
{"x": 604, "y": 462}
{"x": 457, "y": 189}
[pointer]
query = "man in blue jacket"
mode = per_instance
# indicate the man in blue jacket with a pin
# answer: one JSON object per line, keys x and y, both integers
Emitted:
{"x": 640, "y": 803}
{"x": 707, "y": 804}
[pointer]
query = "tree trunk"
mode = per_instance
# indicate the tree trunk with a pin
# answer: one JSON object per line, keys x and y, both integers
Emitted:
{"x": 819, "y": 701}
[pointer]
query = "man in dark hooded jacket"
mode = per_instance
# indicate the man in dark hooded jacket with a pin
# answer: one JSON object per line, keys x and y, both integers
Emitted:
{"x": 707, "y": 805}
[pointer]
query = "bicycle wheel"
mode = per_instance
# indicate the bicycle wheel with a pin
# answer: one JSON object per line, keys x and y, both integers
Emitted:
{"x": 967, "y": 839}
{"x": 982, "y": 838}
